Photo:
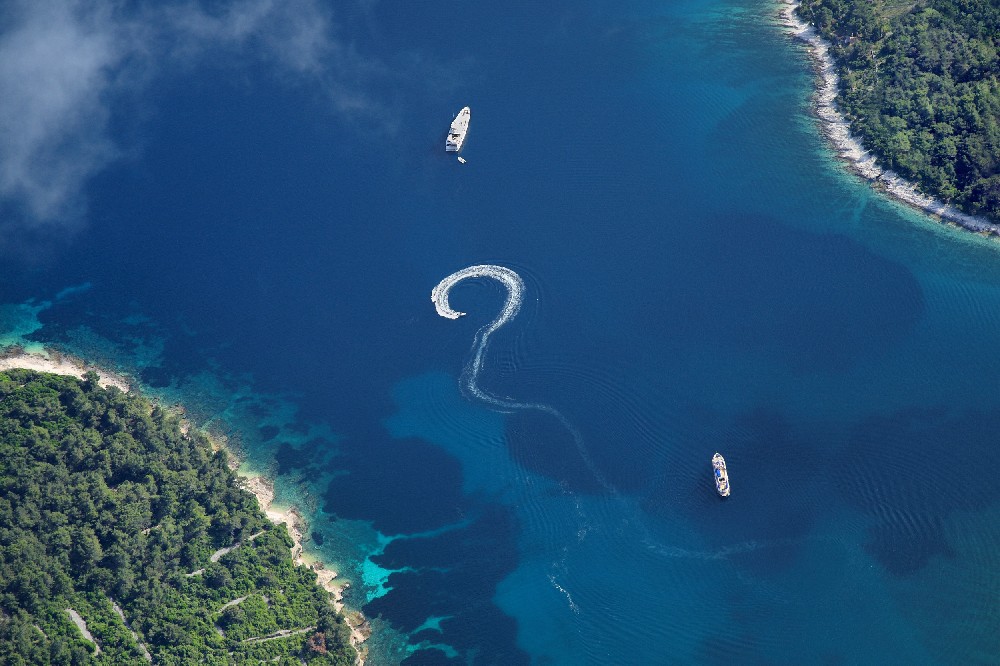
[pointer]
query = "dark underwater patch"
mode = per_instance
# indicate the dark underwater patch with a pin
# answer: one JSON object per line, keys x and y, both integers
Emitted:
{"x": 291, "y": 458}
{"x": 908, "y": 470}
{"x": 775, "y": 503}
{"x": 431, "y": 657}
{"x": 400, "y": 485}
{"x": 815, "y": 301}
{"x": 455, "y": 573}
{"x": 902, "y": 551}
{"x": 156, "y": 377}
{"x": 268, "y": 432}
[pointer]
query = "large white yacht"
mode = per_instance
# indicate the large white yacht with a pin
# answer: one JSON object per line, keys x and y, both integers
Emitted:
{"x": 459, "y": 127}
{"x": 720, "y": 474}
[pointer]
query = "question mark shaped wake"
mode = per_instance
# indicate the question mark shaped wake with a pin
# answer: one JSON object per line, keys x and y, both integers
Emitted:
{"x": 470, "y": 375}
{"x": 515, "y": 294}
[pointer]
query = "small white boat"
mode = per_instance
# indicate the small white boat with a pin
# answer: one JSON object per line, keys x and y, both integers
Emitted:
{"x": 459, "y": 128}
{"x": 461, "y": 159}
{"x": 720, "y": 474}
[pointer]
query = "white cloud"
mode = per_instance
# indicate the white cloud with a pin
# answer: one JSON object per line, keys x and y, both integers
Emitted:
{"x": 295, "y": 33}
{"x": 53, "y": 72}
{"x": 63, "y": 63}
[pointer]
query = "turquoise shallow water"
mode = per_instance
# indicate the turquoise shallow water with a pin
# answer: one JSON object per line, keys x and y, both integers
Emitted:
{"x": 700, "y": 275}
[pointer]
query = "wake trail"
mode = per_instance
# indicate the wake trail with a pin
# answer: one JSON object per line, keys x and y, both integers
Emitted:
{"x": 470, "y": 384}
{"x": 470, "y": 374}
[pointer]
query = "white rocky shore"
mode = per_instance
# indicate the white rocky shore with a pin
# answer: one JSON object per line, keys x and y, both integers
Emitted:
{"x": 262, "y": 488}
{"x": 849, "y": 148}
{"x": 59, "y": 364}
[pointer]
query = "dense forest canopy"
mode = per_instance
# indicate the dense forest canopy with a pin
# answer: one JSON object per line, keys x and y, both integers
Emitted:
{"x": 919, "y": 84}
{"x": 109, "y": 520}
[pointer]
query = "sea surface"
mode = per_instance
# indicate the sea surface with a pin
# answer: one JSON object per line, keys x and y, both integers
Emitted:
{"x": 700, "y": 275}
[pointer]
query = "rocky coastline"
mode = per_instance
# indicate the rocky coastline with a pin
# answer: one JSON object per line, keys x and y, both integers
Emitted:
{"x": 261, "y": 487}
{"x": 849, "y": 148}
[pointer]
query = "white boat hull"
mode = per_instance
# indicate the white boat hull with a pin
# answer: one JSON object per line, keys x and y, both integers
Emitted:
{"x": 720, "y": 474}
{"x": 459, "y": 128}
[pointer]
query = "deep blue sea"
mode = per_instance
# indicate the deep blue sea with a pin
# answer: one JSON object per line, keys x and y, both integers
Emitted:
{"x": 700, "y": 275}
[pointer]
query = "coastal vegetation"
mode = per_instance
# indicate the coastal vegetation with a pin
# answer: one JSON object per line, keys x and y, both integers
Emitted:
{"x": 920, "y": 85}
{"x": 125, "y": 540}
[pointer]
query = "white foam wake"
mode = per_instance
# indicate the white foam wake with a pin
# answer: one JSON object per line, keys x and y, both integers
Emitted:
{"x": 515, "y": 294}
{"x": 569, "y": 597}
{"x": 470, "y": 375}
{"x": 510, "y": 279}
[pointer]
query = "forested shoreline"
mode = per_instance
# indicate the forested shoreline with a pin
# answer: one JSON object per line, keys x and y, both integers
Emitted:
{"x": 109, "y": 512}
{"x": 920, "y": 85}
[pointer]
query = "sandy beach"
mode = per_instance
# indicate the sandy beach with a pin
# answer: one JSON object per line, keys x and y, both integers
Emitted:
{"x": 849, "y": 148}
{"x": 262, "y": 488}
{"x": 59, "y": 364}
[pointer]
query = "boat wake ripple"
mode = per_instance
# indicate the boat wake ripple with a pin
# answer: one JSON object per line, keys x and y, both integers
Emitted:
{"x": 470, "y": 385}
{"x": 569, "y": 598}
{"x": 470, "y": 375}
